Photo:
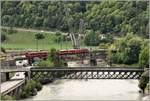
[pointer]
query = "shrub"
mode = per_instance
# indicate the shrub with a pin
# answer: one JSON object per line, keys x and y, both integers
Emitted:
{"x": 103, "y": 46}
{"x": 11, "y": 30}
{"x": 144, "y": 57}
{"x": 58, "y": 33}
{"x": 3, "y": 50}
{"x": 7, "y": 97}
{"x": 143, "y": 82}
{"x": 38, "y": 86}
{"x": 45, "y": 63}
{"x": 92, "y": 39}
{"x": 29, "y": 88}
{"x": 3, "y": 37}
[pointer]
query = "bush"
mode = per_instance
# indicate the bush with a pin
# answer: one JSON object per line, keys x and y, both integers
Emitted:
{"x": 144, "y": 57}
{"x": 39, "y": 36}
{"x": 52, "y": 55}
{"x": 143, "y": 82}
{"x": 38, "y": 86}
{"x": 3, "y": 50}
{"x": 3, "y": 37}
{"x": 58, "y": 33}
{"x": 103, "y": 46}
{"x": 7, "y": 97}
{"x": 30, "y": 88}
{"x": 11, "y": 30}
{"x": 92, "y": 39}
{"x": 45, "y": 63}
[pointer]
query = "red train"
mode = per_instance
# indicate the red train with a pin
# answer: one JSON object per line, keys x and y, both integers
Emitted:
{"x": 44, "y": 54}
{"x": 73, "y": 51}
{"x": 31, "y": 55}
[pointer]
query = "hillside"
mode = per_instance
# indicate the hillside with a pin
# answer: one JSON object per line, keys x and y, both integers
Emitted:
{"x": 107, "y": 16}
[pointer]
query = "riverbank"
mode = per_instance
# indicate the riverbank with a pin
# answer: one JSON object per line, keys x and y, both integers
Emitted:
{"x": 30, "y": 88}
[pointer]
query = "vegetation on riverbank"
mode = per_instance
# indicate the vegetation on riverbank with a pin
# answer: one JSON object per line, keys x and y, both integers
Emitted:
{"x": 52, "y": 61}
{"x": 30, "y": 88}
{"x": 144, "y": 81}
{"x": 6, "y": 97}
{"x": 129, "y": 50}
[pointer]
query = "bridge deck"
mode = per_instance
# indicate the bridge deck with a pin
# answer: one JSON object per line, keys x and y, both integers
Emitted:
{"x": 14, "y": 70}
{"x": 87, "y": 68}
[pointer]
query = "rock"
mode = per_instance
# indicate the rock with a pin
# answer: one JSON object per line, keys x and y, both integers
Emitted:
{"x": 146, "y": 98}
{"x": 34, "y": 92}
{"x": 146, "y": 73}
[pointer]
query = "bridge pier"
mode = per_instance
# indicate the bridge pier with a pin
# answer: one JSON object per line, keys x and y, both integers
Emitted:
{"x": 93, "y": 62}
{"x": 27, "y": 75}
{"x": 7, "y": 76}
{"x": 16, "y": 92}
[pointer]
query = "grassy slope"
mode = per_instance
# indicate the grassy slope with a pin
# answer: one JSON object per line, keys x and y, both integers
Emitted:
{"x": 26, "y": 40}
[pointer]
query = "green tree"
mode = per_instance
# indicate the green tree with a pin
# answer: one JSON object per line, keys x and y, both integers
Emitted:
{"x": 127, "y": 50}
{"x": 144, "y": 57}
{"x": 3, "y": 37}
{"x": 92, "y": 39}
{"x": 38, "y": 36}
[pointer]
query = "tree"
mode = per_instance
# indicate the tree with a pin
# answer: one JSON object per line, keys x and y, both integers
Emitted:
{"x": 38, "y": 36}
{"x": 92, "y": 39}
{"x": 144, "y": 57}
{"x": 3, "y": 37}
{"x": 107, "y": 16}
{"x": 128, "y": 50}
{"x": 134, "y": 46}
{"x": 58, "y": 33}
{"x": 3, "y": 50}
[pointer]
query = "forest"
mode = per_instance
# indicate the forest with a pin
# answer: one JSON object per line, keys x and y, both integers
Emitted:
{"x": 104, "y": 17}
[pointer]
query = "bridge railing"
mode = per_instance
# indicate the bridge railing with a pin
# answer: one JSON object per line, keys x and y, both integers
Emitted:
{"x": 86, "y": 73}
{"x": 13, "y": 87}
{"x": 91, "y": 67}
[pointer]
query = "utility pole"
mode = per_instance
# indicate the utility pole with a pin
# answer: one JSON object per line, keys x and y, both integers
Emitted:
{"x": 74, "y": 38}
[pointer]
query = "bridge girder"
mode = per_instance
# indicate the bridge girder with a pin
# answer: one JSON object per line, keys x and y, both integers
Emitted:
{"x": 114, "y": 73}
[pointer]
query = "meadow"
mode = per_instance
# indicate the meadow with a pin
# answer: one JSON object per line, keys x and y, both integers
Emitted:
{"x": 21, "y": 40}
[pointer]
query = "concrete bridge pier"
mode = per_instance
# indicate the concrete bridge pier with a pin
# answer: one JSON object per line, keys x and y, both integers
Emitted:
{"x": 93, "y": 62}
{"x": 7, "y": 76}
{"x": 15, "y": 92}
{"x": 27, "y": 75}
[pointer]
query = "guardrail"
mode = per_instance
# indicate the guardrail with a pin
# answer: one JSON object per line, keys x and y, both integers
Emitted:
{"x": 13, "y": 87}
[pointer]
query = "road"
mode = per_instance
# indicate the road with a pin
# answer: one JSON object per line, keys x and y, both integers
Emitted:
{"x": 5, "y": 86}
{"x": 17, "y": 79}
{"x": 32, "y": 30}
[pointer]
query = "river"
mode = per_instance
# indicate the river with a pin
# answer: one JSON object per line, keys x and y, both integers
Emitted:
{"x": 89, "y": 90}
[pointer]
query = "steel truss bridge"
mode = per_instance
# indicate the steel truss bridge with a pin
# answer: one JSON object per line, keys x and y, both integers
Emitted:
{"x": 85, "y": 73}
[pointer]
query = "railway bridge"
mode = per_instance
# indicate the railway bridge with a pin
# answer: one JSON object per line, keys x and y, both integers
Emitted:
{"x": 46, "y": 74}
{"x": 85, "y": 73}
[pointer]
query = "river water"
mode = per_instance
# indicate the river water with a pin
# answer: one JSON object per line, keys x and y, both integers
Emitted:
{"x": 89, "y": 90}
